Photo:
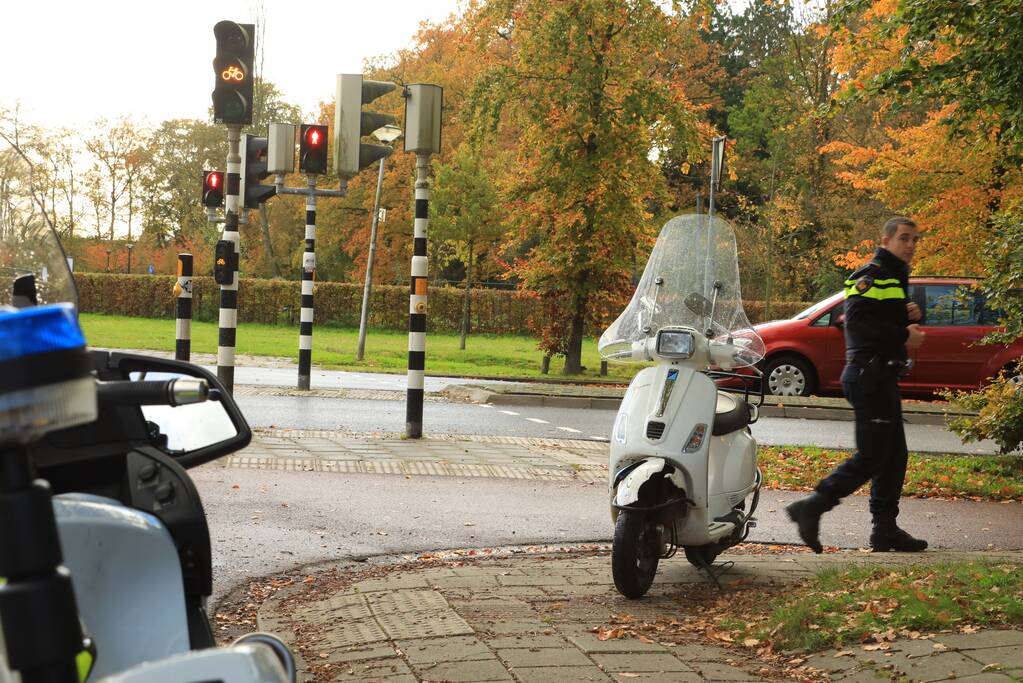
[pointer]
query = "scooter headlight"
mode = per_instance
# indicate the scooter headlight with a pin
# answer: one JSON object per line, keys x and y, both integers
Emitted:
{"x": 675, "y": 344}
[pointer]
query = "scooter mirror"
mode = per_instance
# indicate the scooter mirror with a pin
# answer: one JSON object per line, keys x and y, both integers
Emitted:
{"x": 183, "y": 429}
{"x": 698, "y": 304}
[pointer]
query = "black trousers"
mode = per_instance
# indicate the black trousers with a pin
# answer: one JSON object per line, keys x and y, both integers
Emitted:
{"x": 881, "y": 454}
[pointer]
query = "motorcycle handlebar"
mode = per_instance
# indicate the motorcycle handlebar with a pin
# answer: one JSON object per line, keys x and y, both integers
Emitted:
{"x": 172, "y": 392}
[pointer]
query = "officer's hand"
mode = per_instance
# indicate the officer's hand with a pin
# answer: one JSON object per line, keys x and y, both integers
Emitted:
{"x": 913, "y": 311}
{"x": 916, "y": 336}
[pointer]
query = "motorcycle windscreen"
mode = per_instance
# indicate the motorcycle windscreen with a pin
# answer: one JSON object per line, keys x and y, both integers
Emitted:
{"x": 33, "y": 267}
{"x": 691, "y": 280}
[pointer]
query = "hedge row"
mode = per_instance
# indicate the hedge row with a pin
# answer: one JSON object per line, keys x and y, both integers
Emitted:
{"x": 276, "y": 302}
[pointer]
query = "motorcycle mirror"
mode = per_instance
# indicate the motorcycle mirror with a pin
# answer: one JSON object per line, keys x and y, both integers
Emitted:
{"x": 698, "y": 304}
{"x": 24, "y": 291}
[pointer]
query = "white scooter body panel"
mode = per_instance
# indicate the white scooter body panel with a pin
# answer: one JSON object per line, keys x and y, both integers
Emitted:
{"x": 238, "y": 664}
{"x": 127, "y": 579}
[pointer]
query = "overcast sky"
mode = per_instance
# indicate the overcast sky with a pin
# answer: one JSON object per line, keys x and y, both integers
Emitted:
{"x": 73, "y": 61}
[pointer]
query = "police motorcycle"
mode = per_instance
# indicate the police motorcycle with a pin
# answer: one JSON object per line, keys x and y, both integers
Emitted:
{"x": 105, "y": 562}
{"x": 683, "y": 466}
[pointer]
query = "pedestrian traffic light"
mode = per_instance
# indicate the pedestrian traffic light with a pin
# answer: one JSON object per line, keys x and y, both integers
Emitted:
{"x": 351, "y": 123}
{"x": 312, "y": 147}
{"x": 212, "y": 189}
{"x": 254, "y": 156}
{"x": 232, "y": 92}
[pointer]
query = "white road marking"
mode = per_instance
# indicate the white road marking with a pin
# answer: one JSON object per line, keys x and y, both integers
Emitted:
{"x": 509, "y": 412}
{"x": 484, "y": 405}
{"x": 569, "y": 429}
{"x": 599, "y": 438}
{"x": 538, "y": 420}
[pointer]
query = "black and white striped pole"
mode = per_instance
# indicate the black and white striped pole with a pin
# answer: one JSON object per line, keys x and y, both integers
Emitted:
{"x": 422, "y": 136}
{"x": 183, "y": 309}
{"x": 225, "y": 267}
{"x": 305, "y": 326}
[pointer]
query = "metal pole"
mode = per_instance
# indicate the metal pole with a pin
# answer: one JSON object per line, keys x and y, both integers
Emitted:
{"x": 305, "y": 325}
{"x": 417, "y": 304}
{"x": 364, "y": 316}
{"x": 229, "y": 293}
{"x": 183, "y": 309}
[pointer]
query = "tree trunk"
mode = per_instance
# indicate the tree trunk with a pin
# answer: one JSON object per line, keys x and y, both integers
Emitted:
{"x": 465, "y": 303}
{"x": 264, "y": 222}
{"x": 574, "y": 352}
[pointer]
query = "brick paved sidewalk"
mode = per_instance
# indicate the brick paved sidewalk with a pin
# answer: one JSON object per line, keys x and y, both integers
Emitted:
{"x": 533, "y": 618}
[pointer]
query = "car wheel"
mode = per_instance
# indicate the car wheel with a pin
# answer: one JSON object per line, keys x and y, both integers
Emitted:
{"x": 788, "y": 376}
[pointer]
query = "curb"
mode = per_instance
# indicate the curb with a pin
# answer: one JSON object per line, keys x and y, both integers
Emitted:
{"x": 810, "y": 409}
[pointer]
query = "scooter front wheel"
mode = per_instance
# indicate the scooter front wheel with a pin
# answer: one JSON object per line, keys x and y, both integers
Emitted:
{"x": 635, "y": 553}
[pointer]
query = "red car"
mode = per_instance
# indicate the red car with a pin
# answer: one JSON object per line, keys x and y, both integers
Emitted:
{"x": 805, "y": 354}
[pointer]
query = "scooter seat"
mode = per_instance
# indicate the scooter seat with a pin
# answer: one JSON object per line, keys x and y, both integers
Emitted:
{"x": 731, "y": 414}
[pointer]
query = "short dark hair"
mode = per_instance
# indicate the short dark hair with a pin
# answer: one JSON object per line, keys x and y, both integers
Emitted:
{"x": 891, "y": 226}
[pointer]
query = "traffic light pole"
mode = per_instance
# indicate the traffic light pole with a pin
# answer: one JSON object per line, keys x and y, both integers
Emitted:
{"x": 305, "y": 329}
{"x": 417, "y": 304}
{"x": 229, "y": 292}
{"x": 360, "y": 348}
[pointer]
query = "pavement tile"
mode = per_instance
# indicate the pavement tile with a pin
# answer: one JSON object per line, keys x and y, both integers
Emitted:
{"x": 561, "y": 674}
{"x": 1007, "y": 657}
{"x": 990, "y": 677}
{"x": 434, "y": 650}
{"x": 522, "y": 657}
{"x": 700, "y": 652}
{"x": 501, "y": 627}
{"x": 937, "y": 667}
{"x": 981, "y": 639}
{"x": 393, "y": 669}
{"x": 526, "y": 640}
{"x": 358, "y": 653}
{"x": 829, "y": 663}
{"x": 657, "y": 677}
{"x": 588, "y": 642}
{"x": 464, "y": 672}
{"x": 862, "y": 675}
{"x": 713, "y": 671}
{"x": 646, "y": 661}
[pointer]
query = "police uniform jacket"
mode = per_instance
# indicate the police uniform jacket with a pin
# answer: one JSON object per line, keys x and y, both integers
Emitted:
{"x": 875, "y": 309}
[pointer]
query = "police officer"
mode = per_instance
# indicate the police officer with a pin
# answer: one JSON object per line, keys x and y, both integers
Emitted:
{"x": 880, "y": 324}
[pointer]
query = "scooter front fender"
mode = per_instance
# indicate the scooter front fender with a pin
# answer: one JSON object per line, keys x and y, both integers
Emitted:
{"x": 627, "y": 492}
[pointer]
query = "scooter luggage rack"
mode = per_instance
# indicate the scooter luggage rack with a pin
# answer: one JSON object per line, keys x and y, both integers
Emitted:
{"x": 746, "y": 379}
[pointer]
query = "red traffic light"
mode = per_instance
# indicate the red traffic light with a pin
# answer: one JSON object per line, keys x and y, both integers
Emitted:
{"x": 214, "y": 179}
{"x": 212, "y": 189}
{"x": 313, "y": 149}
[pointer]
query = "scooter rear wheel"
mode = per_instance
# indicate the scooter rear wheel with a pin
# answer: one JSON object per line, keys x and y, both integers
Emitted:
{"x": 635, "y": 553}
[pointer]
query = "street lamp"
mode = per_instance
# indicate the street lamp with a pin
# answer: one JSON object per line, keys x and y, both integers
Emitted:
{"x": 130, "y": 247}
{"x": 386, "y": 135}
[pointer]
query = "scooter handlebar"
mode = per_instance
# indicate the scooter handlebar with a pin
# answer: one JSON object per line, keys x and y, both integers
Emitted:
{"x": 171, "y": 392}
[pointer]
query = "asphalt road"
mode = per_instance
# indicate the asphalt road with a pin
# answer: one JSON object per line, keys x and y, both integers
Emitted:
{"x": 441, "y": 417}
{"x": 263, "y": 522}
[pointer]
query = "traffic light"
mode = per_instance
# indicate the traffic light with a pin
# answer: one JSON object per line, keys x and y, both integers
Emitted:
{"x": 254, "y": 152}
{"x": 312, "y": 148}
{"x": 224, "y": 262}
{"x": 212, "y": 189}
{"x": 232, "y": 93}
{"x": 351, "y": 123}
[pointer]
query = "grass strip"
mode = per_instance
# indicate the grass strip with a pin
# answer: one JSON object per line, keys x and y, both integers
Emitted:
{"x": 972, "y": 477}
{"x": 856, "y": 605}
{"x": 486, "y": 355}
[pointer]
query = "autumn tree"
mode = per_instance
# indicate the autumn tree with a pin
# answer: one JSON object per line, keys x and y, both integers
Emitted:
{"x": 588, "y": 86}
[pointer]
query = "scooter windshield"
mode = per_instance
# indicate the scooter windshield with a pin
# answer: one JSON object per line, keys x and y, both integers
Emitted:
{"x": 691, "y": 279}
{"x": 33, "y": 268}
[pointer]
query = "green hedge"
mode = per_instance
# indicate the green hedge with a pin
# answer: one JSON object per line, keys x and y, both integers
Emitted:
{"x": 337, "y": 303}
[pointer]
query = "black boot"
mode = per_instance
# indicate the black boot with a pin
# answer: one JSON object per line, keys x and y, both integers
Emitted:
{"x": 806, "y": 513}
{"x": 887, "y": 535}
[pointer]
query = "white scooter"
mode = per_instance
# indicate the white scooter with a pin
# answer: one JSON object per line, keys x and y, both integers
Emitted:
{"x": 683, "y": 460}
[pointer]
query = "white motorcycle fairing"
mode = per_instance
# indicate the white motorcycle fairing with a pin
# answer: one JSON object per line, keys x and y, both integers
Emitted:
{"x": 107, "y": 547}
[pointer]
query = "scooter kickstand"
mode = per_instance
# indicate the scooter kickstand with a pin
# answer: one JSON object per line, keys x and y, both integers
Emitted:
{"x": 714, "y": 574}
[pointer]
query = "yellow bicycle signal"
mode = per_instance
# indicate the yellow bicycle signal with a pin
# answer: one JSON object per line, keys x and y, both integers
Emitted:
{"x": 232, "y": 73}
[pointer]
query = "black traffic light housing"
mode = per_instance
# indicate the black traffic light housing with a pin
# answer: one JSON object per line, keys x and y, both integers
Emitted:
{"x": 225, "y": 262}
{"x": 254, "y": 152}
{"x": 232, "y": 92}
{"x": 312, "y": 147}
{"x": 212, "y": 189}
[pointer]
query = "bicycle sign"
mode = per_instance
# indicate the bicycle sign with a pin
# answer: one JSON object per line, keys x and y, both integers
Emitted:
{"x": 232, "y": 73}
